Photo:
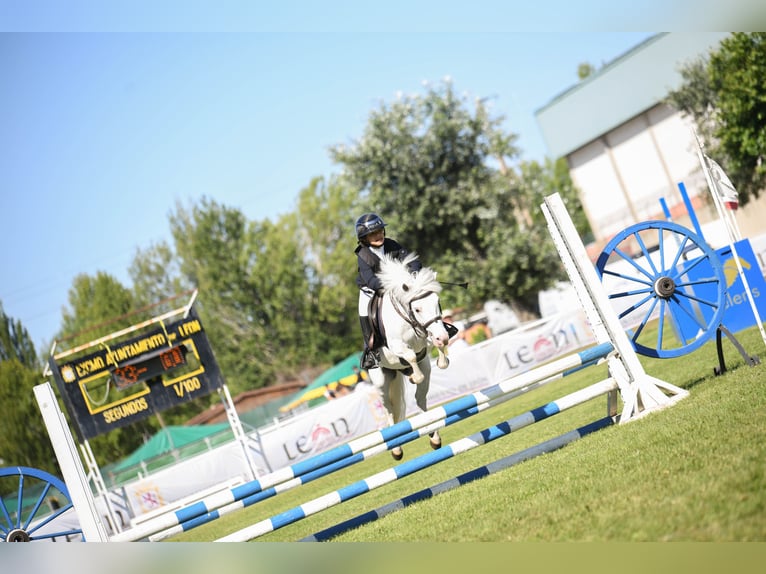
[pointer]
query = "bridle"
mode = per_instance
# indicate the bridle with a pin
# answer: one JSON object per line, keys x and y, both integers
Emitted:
{"x": 421, "y": 329}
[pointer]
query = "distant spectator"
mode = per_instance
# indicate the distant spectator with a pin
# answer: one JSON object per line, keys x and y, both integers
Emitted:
{"x": 477, "y": 333}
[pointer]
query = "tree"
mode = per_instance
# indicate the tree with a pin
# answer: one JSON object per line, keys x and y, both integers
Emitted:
{"x": 738, "y": 76}
{"x": 435, "y": 167}
{"x": 156, "y": 275}
{"x": 15, "y": 342}
{"x": 217, "y": 250}
{"x": 97, "y": 307}
{"x": 23, "y": 438}
{"x": 725, "y": 94}
{"x": 326, "y": 217}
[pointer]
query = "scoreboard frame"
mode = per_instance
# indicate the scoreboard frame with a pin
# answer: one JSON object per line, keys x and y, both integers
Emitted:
{"x": 124, "y": 377}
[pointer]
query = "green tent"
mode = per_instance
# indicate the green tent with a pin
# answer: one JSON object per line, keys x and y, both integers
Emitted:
{"x": 342, "y": 373}
{"x": 168, "y": 439}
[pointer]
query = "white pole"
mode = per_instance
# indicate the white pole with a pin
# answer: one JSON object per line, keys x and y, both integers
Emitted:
{"x": 730, "y": 235}
{"x": 71, "y": 466}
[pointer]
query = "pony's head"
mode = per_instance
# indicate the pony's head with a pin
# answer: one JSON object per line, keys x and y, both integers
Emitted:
{"x": 404, "y": 285}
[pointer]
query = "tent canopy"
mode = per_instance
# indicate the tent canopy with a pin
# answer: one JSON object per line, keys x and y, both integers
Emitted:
{"x": 167, "y": 439}
{"x": 341, "y": 373}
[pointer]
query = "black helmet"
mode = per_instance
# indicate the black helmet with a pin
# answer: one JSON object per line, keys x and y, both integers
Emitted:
{"x": 368, "y": 223}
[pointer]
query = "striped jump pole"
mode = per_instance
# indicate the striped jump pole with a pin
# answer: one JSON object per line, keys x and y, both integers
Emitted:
{"x": 421, "y": 462}
{"x": 348, "y": 461}
{"x": 480, "y": 472}
{"x": 251, "y": 492}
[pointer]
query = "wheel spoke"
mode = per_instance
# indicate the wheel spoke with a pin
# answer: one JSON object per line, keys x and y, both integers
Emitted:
{"x": 645, "y": 251}
{"x": 630, "y": 260}
{"x": 701, "y": 324}
{"x": 632, "y": 278}
{"x": 635, "y": 306}
{"x": 6, "y": 514}
{"x": 37, "y": 505}
{"x": 59, "y": 512}
{"x": 661, "y": 330}
{"x": 19, "y": 502}
{"x": 711, "y": 304}
{"x": 646, "y": 318}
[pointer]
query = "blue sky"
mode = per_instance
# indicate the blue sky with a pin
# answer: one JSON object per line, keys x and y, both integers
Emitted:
{"x": 107, "y": 126}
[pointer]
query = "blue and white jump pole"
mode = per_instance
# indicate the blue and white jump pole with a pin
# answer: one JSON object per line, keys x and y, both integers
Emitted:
{"x": 406, "y": 468}
{"x": 451, "y": 484}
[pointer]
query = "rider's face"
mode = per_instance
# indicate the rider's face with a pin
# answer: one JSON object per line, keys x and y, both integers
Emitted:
{"x": 376, "y": 238}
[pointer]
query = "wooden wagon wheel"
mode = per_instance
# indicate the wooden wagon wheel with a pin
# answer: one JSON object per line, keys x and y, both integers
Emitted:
{"x": 645, "y": 271}
{"x": 31, "y": 503}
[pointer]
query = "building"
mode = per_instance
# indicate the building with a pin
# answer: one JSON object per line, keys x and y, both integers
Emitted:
{"x": 626, "y": 149}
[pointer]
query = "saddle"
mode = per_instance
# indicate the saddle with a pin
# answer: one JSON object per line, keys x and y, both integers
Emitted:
{"x": 378, "y": 335}
{"x": 378, "y": 332}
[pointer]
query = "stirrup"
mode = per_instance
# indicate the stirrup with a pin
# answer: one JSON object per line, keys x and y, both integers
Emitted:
{"x": 369, "y": 359}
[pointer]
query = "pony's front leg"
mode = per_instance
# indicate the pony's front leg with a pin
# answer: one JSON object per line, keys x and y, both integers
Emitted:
{"x": 442, "y": 361}
{"x": 408, "y": 354}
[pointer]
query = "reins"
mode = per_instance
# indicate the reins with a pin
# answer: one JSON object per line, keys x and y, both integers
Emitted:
{"x": 421, "y": 329}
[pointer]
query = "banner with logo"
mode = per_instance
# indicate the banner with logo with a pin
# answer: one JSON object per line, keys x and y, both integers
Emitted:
{"x": 323, "y": 427}
{"x": 505, "y": 356}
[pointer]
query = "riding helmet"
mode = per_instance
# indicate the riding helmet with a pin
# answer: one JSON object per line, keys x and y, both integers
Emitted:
{"x": 368, "y": 223}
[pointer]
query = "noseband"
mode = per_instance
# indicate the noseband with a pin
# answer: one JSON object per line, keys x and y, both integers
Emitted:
{"x": 421, "y": 329}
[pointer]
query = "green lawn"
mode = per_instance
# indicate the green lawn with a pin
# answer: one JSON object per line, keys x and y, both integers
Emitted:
{"x": 691, "y": 472}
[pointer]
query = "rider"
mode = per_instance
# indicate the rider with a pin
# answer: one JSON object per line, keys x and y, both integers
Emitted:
{"x": 373, "y": 243}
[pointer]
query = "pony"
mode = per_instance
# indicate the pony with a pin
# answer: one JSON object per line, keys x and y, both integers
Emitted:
{"x": 408, "y": 318}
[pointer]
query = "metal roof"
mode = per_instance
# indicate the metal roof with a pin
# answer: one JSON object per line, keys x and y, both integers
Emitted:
{"x": 625, "y": 87}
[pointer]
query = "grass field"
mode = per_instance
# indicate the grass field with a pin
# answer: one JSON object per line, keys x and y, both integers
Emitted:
{"x": 692, "y": 472}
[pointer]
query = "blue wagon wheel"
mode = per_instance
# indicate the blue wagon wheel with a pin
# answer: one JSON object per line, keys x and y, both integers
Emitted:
{"x": 661, "y": 275}
{"x": 32, "y": 506}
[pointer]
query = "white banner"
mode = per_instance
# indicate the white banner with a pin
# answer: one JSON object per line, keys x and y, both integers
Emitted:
{"x": 507, "y": 355}
{"x": 323, "y": 427}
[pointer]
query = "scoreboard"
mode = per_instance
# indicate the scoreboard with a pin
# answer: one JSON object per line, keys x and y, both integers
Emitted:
{"x": 129, "y": 379}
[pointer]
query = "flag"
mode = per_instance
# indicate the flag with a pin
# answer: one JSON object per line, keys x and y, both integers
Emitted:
{"x": 723, "y": 185}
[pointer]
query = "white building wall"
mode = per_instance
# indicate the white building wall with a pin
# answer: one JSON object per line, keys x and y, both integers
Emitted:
{"x": 623, "y": 174}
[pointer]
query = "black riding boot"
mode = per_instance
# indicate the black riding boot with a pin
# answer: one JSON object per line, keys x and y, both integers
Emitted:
{"x": 369, "y": 357}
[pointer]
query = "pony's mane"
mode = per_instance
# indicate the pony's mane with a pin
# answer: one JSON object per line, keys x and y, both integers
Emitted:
{"x": 398, "y": 280}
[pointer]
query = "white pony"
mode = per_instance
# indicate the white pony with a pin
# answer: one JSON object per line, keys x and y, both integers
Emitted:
{"x": 409, "y": 318}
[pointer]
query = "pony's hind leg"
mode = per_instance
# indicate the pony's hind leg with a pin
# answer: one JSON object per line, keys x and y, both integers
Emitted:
{"x": 421, "y": 399}
{"x": 394, "y": 402}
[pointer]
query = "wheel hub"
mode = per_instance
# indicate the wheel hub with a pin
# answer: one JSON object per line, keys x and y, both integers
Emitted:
{"x": 665, "y": 287}
{"x": 17, "y": 535}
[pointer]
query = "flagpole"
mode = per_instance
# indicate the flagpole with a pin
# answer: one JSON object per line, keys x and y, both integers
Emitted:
{"x": 729, "y": 233}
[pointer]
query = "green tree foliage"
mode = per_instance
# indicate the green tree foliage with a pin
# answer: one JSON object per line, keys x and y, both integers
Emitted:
{"x": 24, "y": 440}
{"x": 15, "y": 342}
{"x": 725, "y": 94}
{"x": 98, "y": 305}
{"x": 326, "y": 234}
{"x": 435, "y": 167}
{"x": 156, "y": 275}
{"x": 217, "y": 251}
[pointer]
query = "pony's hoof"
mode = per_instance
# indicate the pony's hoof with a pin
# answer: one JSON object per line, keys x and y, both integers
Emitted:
{"x": 417, "y": 380}
{"x": 435, "y": 440}
{"x": 442, "y": 362}
{"x": 397, "y": 453}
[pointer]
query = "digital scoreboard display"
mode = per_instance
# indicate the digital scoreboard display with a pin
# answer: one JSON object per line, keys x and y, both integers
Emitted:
{"x": 149, "y": 367}
{"x": 130, "y": 379}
